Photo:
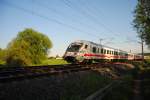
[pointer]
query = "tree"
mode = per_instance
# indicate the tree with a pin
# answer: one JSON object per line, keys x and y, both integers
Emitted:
{"x": 142, "y": 20}
{"x": 29, "y": 47}
{"x": 2, "y": 56}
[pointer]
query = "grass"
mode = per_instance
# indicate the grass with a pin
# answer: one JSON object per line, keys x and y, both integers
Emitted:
{"x": 74, "y": 86}
{"x": 79, "y": 88}
{"x": 54, "y": 62}
{"x": 146, "y": 83}
{"x": 146, "y": 88}
{"x": 2, "y": 62}
{"x": 123, "y": 91}
{"x": 51, "y": 61}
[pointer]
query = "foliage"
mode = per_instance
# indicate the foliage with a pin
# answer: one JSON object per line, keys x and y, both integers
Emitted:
{"x": 2, "y": 56}
{"x": 29, "y": 47}
{"x": 79, "y": 88}
{"x": 146, "y": 88}
{"x": 71, "y": 86}
{"x": 142, "y": 20}
{"x": 125, "y": 90}
{"x": 122, "y": 91}
{"x": 146, "y": 54}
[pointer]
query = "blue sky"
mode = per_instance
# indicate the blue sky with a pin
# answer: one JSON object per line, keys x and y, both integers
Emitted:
{"x": 65, "y": 21}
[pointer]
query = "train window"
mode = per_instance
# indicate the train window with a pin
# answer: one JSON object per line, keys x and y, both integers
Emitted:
{"x": 117, "y": 53}
{"x": 107, "y": 51}
{"x": 112, "y": 52}
{"x": 74, "y": 47}
{"x": 94, "y": 49}
{"x": 102, "y": 51}
{"x": 97, "y": 50}
{"x": 86, "y": 46}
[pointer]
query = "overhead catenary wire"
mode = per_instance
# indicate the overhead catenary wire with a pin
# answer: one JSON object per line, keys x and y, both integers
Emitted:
{"x": 90, "y": 17}
{"x": 83, "y": 13}
{"x": 88, "y": 10}
{"x": 46, "y": 18}
{"x": 61, "y": 13}
{"x": 86, "y": 14}
{"x": 102, "y": 14}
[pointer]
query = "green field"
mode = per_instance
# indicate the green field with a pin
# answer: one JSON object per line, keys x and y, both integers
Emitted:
{"x": 2, "y": 62}
{"x": 54, "y": 61}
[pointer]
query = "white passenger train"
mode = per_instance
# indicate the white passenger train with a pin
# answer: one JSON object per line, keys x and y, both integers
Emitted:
{"x": 86, "y": 51}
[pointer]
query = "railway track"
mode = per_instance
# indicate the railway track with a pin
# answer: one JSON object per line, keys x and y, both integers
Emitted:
{"x": 20, "y": 73}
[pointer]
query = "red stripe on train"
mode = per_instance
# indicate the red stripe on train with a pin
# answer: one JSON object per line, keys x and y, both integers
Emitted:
{"x": 97, "y": 55}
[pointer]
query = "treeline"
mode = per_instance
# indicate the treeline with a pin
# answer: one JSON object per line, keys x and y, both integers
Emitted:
{"x": 141, "y": 20}
{"x": 28, "y": 48}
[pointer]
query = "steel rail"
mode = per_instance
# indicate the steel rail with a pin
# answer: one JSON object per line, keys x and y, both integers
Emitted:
{"x": 10, "y": 74}
{"x": 17, "y": 73}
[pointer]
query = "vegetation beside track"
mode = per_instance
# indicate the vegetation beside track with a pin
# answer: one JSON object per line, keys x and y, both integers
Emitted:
{"x": 146, "y": 88}
{"x": 122, "y": 91}
{"x": 125, "y": 90}
{"x": 2, "y": 62}
{"x": 145, "y": 84}
{"x": 54, "y": 61}
{"x": 78, "y": 85}
{"x": 73, "y": 86}
{"x": 142, "y": 73}
{"x": 80, "y": 88}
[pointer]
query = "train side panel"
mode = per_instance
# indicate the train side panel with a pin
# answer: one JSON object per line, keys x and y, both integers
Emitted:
{"x": 81, "y": 51}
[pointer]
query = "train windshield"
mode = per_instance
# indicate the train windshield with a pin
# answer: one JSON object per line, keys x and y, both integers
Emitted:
{"x": 74, "y": 47}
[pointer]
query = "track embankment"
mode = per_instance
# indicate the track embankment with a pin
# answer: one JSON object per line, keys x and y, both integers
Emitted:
{"x": 62, "y": 82}
{"x": 19, "y": 73}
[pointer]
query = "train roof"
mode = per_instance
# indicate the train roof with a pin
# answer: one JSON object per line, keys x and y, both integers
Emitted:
{"x": 103, "y": 46}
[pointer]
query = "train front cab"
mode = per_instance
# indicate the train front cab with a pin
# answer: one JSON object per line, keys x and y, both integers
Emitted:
{"x": 72, "y": 52}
